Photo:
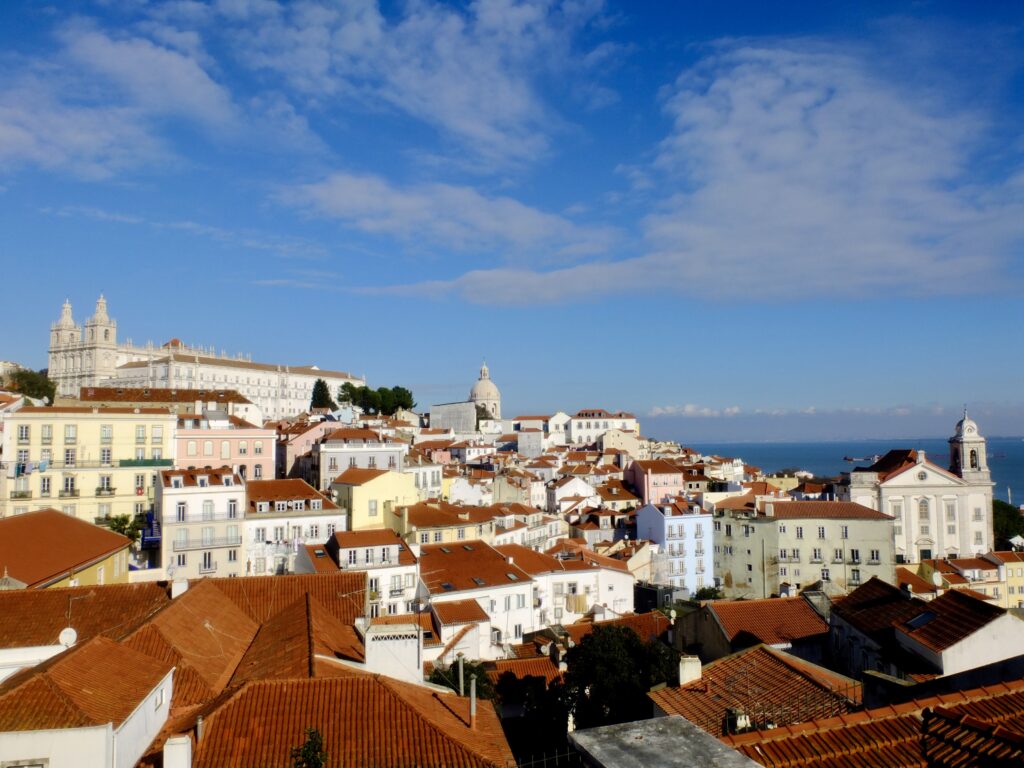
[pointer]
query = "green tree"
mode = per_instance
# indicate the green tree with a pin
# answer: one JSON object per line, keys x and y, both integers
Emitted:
{"x": 348, "y": 393}
{"x": 610, "y": 673}
{"x": 311, "y": 754}
{"x": 1007, "y": 522}
{"x": 449, "y": 676}
{"x": 708, "y": 593}
{"x": 126, "y": 526}
{"x": 403, "y": 398}
{"x": 322, "y": 396}
{"x": 387, "y": 401}
{"x": 31, "y": 383}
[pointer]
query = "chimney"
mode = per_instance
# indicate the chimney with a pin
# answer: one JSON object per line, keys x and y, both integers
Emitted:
{"x": 905, "y": 589}
{"x": 689, "y": 669}
{"x": 472, "y": 702}
{"x": 769, "y": 508}
{"x": 200, "y": 727}
{"x": 920, "y": 457}
{"x": 510, "y": 560}
{"x": 178, "y": 587}
{"x": 178, "y": 752}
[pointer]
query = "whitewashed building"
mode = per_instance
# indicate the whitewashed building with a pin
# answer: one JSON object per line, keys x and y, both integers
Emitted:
{"x": 685, "y": 535}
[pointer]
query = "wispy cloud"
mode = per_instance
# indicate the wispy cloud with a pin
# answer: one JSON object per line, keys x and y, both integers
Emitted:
{"x": 248, "y": 239}
{"x": 475, "y": 75}
{"x": 690, "y": 410}
{"x": 457, "y": 217}
{"x": 793, "y": 168}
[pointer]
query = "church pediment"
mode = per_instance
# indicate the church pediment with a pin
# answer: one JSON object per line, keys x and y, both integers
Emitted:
{"x": 924, "y": 475}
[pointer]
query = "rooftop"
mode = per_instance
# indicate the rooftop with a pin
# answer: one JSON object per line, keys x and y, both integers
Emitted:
{"x": 774, "y": 621}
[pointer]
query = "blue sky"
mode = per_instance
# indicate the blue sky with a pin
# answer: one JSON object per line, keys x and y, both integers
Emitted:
{"x": 735, "y": 219}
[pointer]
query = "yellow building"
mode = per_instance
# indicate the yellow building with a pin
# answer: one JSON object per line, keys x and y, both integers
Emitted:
{"x": 1013, "y": 571}
{"x": 50, "y": 549}
{"x": 438, "y": 522}
{"x": 92, "y": 463}
{"x": 369, "y": 496}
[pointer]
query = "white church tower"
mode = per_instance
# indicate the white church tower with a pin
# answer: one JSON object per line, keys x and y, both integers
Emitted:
{"x": 485, "y": 393}
{"x": 967, "y": 452}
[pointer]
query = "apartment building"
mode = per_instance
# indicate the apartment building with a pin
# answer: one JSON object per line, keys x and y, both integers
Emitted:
{"x": 587, "y": 426}
{"x": 207, "y": 438}
{"x": 200, "y": 513}
{"x": 92, "y": 463}
{"x": 685, "y": 535}
{"x": 357, "y": 447}
{"x": 280, "y": 517}
{"x": 369, "y": 496}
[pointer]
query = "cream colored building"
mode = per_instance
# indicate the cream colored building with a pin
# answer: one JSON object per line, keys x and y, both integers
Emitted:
{"x": 368, "y": 497}
{"x": 92, "y": 463}
{"x": 90, "y": 354}
{"x": 201, "y": 514}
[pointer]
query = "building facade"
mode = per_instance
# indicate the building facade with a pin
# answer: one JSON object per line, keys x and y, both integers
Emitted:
{"x": 938, "y": 512}
{"x": 90, "y": 354}
{"x": 685, "y": 536}
{"x": 93, "y": 463}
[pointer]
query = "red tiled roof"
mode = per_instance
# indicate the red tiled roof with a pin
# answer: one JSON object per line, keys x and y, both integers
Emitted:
{"x": 950, "y": 618}
{"x": 365, "y": 720}
{"x": 39, "y": 548}
{"x": 36, "y": 617}
{"x": 648, "y": 626}
{"x": 160, "y": 395}
{"x": 542, "y": 667}
{"x": 829, "y": 510}
{"x": 95, "y": 683}
{"x": 467, "y": 565}
{"x": 770, "y": 686}
{"x": 291, "y": 489}
{"x": 359, "y": 476}
{"x": 450, "y": 612}
{"x": 260, "y": 597}
{"x": 773, "y": 621}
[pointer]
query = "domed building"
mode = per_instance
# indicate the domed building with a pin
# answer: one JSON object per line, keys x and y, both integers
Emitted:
{"x": 485, "y": 393}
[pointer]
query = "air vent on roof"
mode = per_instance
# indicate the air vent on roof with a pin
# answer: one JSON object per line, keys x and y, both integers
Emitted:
{"x": 467, "y": 547}
{"x": 478, "y": 581}
{"x": 447, "y": 586}
{"x": 512, "y": 577}
{"x": 445, "y": 550}
{"x": 320, "y": 553}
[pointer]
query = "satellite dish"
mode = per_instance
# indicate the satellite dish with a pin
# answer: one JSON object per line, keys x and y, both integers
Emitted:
{"x": 937, "y": 578}
{"x": 67, "y": 637}
{"x": 170, "y": 572}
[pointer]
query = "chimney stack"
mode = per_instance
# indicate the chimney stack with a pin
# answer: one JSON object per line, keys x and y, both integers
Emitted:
{"x": 689, "y": 669}
{"x": 472, "y": 702}
{"x": 200, "y": 727}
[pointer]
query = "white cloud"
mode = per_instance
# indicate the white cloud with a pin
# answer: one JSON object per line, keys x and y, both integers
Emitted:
{"x": 690, "y": 410}
{"x": 794, "y": 170}
{"x": 160, "y": 80}
{"x": 476, "y": 76}
{"x": 457, "y": 217}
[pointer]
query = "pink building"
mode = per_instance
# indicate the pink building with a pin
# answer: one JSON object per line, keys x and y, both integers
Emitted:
{"x": 295, "y": 441}
{"x": 656, "y": 481}
{"x": 214, "y": 439}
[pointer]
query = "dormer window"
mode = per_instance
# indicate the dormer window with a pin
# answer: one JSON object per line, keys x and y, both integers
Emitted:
{"x": 263, "y": 506}
{"x": 203, "y": 482}
{"x": 228, "y": 481}
{"x": 281, "y": 506}
{"x": 175, "y": 482}
{"x": 316, "y": 504}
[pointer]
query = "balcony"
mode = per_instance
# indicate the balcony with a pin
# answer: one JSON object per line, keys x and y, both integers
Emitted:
{"x": 68, "y": 493}
{"x": 104, "y": 520}
{"x": 854, "y": 560}
{"x": 874, "y": 561}
{"x": 816, "y": 560}
{"x": 21, "y": 494}
{"x": 145, "y": 463}
{"x": 23, "y": 440}
{"x": 211, "y": 568}
{"x": 396, "y": 592}
{"x": 217, "y": 541}
{"x": 201, "y": 518}
{"x": 105, "y": 491}
{"x": 47, "y": 440}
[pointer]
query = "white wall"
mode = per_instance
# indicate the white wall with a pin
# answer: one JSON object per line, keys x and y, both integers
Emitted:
{"x": 68, "y": 748}
{"x": 13, "y": 659}
{"x": 137, "y": 732}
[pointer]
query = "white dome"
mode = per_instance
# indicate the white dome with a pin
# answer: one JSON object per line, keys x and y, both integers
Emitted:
{"x": 966, "y": 426}
{"x": 484, "y": 389}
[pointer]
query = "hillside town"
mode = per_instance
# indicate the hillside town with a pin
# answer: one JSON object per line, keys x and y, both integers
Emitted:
{"x": 208, "y": 561}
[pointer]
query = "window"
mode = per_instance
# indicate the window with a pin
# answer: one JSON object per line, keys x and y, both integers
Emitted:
{"x": 157, "y": 434}
{"x": 259, "y": 534}
{"x": 208, "y": 448}
{"x": 796, "y": 555}
{"x": 979, "y": 537}
{"x": 278, "y": 533}
{"x": 520, "y": 601}
{"x": 69, "y": 457}
{"x": 105, "y": 457}
{"x": 951, "y": 530}
{"x": 923, "y": 508}
{"x": 207, "y": 535}
{"x": 243, "y": 447}
{"x": 140, "y": 433}
{"x": 106, "y": 433}
{"x": 140, "y": 454}
{"x": 783, "y": 554}
{"x": 950, "y": 511}
{"x": 462, "y": 533}
{"x": 821, "y": 531}
{"x": 372, "y": 463}
{"x": 207, "y": 564}
{"x": 816, "y": 554}
{"x": 257, "y": 472}
{"x": 44, "y": 486}
{"x": 46, "y": 433}
{"x": 70, "y": 433}
{"x": 232, "y": 508}
{"x": 437, "y": 535}
{"x": 192, "y": 448}
{"x": 424, "y": 538}
{"x": 799, "y": 531}
{"x": 314, "y": 531}
{"x": 844, "y": 532}
{"x": 875, "y": 556}
{"x": 353, "y": 557}
{"x": 854, "y": 555}
{"x": 782, "y": 527}
{"x": 368, "y": 555}
{"x": 978, "y": 517}
{"x": 181, "y": 509}
{"x": 207, "y": 509}
{"x": 372, "y": 507}
{"x": 518, "y": 630}
{"x": 182, "y": 560}
{"x": 925, "y": 529}
{"x": 23, "y": 433}
{"x": 508, "y": 602}
{"x": 330, "y": 529}
{"x": 257, "y": 447}
{"x": 232, "y": 555}
{"x": 837, "y": 555}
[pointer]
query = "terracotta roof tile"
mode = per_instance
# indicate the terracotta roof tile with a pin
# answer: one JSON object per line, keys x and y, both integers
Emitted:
{"x": 542, "y": 667}
{"x": 359, "y": 476}
{"x": 39, "y": 548}
{"x": 363, "y": 720}
{"x": 450, "y": 612}
{"x": 36, "y": 617}
{"x": 770, "y": 686}
{"x": 467, "y": 565}
{"x": 95, "y": 683}
{"x": 773, "y": 621}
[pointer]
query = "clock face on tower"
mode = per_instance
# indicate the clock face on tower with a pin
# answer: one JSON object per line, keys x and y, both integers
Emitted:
{"x": 969, "y": 431}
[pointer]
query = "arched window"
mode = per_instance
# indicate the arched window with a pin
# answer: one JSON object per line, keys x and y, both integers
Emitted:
{"x": 922, "y": 508}
{"x": 106, "y": 334}
{"x": 974, "y": 459}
